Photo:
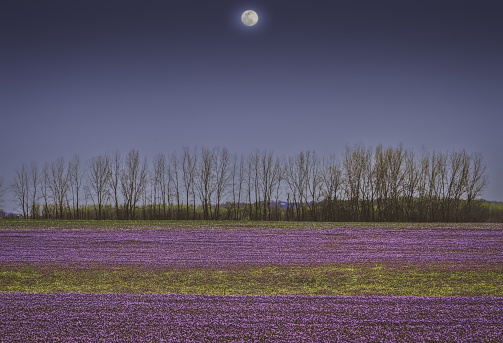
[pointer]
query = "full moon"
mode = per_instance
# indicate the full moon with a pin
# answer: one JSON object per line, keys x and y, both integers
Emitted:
{"x": 249, "y": 17}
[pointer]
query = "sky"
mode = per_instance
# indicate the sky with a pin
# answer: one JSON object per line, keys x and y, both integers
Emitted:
{"x": 87, "y": 77}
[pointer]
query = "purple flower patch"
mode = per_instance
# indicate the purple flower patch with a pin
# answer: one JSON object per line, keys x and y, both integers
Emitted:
{"x": 205, "y": 318}
{"x": 220, "y": 248}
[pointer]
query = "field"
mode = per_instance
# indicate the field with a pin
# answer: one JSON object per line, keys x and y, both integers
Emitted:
{"x": 204, "y": 281}
{"x": 206, "y": 318}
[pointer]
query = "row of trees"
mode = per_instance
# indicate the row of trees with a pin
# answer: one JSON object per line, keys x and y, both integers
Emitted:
{"x": 366, "y": 184}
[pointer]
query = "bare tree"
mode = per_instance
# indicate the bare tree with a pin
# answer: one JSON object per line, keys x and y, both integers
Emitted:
{"x": 458, "y": 164}
{"x": 438, "y": 181}
{"x": 296, "y": 174}
{"x": 59, "y": 185}
{"x": 423, "y": 186}
{"x": 189, "y": 165}
{"x": 476, "y": 183}
{"x": 380, "y": 175}
{"x": 99, "y": 176}
{"x": 332, "y": 180}
{"x": 278, "y": 177}
{"x": 271, "y": 175}
{"x": 45, "y": 189}
{"x": 206, "y": 180}
{"x": 174, "y": 179}
{"x": 115, "y": 179}
{"x": 20, "y": 188}
{"x": 250, "y": 162}
{"x": 354, "y": 169}
{"x": 267, "y": 178}
{"x": 367, "y": 189}
{"x": 164, "y": 175}
{"x": 234, "y": 183}
{"x": 76, "y": 179}
{"x": 395, "y": 179}
{"x": 291, "y": 190}
{"x": 477, "y": 180}
{"x": 133, "y": 182}
{"x": 237, "y": 180}
{"x": 34, "y": 185}
{"x": 159, "y": 166}
{"x": 146, "y": 201}
{"x": 222, "y": 177}
{"x": 313, "y": 184}
{"x": 411, "y": 182}
{"x": 255, "y": 175}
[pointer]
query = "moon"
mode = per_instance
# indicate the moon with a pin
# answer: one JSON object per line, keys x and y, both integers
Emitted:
{"x": 249, "y": 17}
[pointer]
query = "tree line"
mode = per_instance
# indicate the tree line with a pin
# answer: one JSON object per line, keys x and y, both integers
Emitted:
{"x": 364, "y": 184}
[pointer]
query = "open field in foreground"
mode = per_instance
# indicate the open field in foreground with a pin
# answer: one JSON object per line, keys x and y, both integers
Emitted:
{"x": 205, "y": 318}
{"x": 325, "y": 283}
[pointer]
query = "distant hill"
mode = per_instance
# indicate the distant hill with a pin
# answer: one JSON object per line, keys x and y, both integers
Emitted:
{"x": 281, "y": 204}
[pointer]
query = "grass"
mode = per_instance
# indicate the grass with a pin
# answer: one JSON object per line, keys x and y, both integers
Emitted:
{"x": 332, "y": 279}
{"x": 131, "y": 224}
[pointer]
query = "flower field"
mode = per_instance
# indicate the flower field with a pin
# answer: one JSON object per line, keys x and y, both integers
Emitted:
{"x": 215, "y": 247}
{"x": 195, "y": 284}
{"x": 207, "y": 318}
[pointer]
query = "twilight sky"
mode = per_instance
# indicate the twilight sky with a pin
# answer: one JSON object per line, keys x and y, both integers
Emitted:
{"x": 86, "y": 77}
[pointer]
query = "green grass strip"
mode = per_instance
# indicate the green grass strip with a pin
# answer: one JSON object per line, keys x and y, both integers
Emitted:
{"x": 340, "y": 279}
{"x": 191, "y": 224}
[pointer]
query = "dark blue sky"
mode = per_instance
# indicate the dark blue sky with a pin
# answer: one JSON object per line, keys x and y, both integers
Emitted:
{"x": 86, "y": 77}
